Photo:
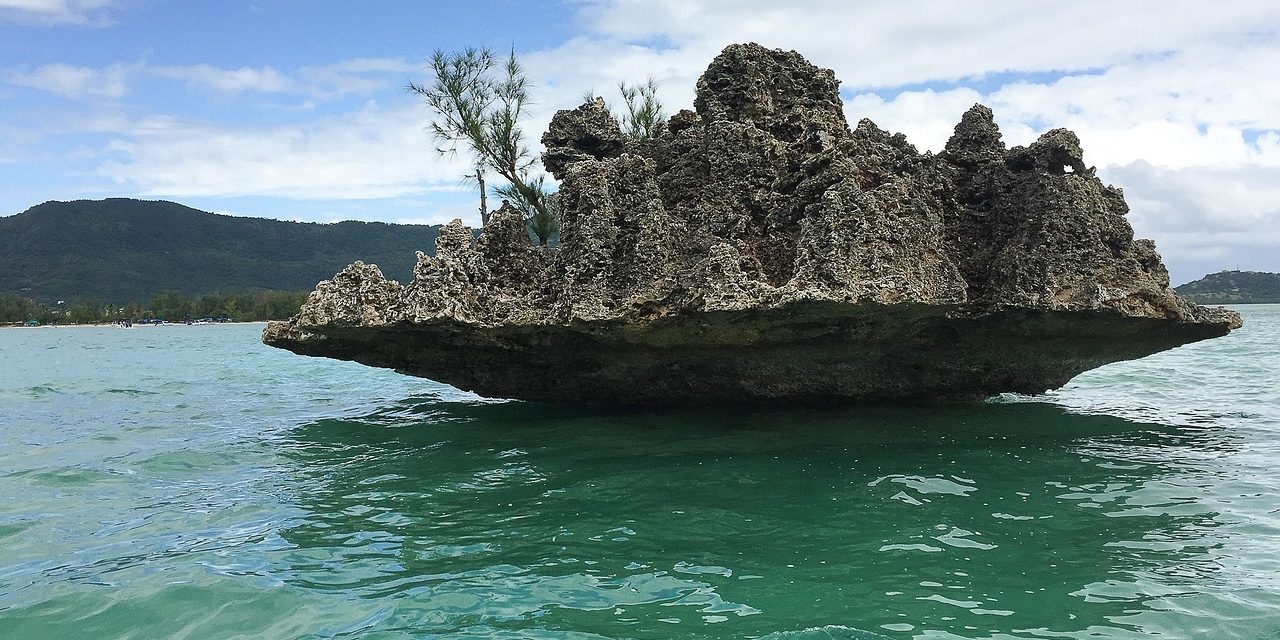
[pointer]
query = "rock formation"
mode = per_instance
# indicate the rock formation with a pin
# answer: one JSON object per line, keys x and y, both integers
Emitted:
{"x": 761, "y": 250}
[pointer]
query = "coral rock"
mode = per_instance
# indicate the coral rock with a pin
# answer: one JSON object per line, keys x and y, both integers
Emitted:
{"x": 761, "y": 250}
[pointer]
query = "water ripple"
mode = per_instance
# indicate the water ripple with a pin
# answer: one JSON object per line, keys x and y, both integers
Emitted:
{"x": 196, "y": 484}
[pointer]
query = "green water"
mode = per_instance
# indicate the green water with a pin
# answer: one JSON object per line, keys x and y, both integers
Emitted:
{"x": 187, "y": 482}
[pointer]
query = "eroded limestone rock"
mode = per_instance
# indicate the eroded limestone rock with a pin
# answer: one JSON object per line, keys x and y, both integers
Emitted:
{"x": 761, "y": 250}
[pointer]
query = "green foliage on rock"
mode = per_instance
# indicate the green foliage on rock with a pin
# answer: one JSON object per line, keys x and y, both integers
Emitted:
{"x": 644, "y": 118}
{"x": 478, "y": 101}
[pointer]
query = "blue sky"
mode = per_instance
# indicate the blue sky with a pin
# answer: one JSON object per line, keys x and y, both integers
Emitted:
{"x": 297, "y": 110}
{"x": 82, "y": 83}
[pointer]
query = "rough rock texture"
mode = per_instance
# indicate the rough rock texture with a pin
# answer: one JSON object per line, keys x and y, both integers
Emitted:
{"x": 761, "y": 250}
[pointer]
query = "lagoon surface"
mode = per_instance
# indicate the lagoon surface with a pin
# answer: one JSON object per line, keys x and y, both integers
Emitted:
{"x": 189, "y": 482}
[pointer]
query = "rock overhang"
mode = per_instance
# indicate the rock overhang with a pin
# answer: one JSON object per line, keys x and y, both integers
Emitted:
{"x": 760, "y": 249}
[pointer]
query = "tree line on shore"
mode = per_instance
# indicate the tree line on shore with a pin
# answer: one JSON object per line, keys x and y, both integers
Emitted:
{"x": 170, "y": 307}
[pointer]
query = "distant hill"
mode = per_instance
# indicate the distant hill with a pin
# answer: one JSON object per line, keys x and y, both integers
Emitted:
{"x": 1227, "y": 287}
{"x": 121, "y": 250}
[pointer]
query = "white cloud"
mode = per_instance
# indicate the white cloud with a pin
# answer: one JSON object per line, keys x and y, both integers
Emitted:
{"x": 927, "y": 117}
{"x": 15, "y": 143}
{"x": 889, "y": 44}
{"x": 356, "y": 76}
{"x": 52, "y": 12}
{"x": 372, "y": 153}
{"x": 560, "y": 83}
{"x": 1205, "y": 218}
{"x": 203, "y": 76}
{"x": 1240, "y": 201}
{"x": 76, "y": 82}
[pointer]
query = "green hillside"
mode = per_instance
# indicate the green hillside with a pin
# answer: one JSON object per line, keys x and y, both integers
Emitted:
{"x": 1233, "y": 287}
{"x": 121, "y": 250}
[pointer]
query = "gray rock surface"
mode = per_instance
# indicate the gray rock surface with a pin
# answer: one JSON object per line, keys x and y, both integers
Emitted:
{"x": 761, "y": 250}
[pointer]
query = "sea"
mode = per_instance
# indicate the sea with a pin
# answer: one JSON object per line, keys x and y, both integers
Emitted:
{"x": 189, "y": 482}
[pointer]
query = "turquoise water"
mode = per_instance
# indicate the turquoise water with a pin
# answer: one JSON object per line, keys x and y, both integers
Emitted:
{"x": 188, "y": 482}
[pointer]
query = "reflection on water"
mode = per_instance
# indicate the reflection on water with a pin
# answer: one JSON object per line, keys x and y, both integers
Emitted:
{"x": 1027, "y": 517}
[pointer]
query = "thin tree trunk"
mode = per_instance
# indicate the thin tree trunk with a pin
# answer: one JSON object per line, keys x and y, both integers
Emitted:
{"x": 484, "y": 205}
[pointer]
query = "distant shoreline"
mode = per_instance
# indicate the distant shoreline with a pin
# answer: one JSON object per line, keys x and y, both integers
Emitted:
{"x": 112, "y": 325}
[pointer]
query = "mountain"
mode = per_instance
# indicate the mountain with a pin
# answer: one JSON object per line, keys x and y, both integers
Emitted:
{"x": 1231, "y": 287}
{"x": 123, "y": 250}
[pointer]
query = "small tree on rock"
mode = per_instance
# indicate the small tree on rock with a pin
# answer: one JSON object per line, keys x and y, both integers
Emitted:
{"x": 644, "y": 118}
{"x": 478, "y": 101}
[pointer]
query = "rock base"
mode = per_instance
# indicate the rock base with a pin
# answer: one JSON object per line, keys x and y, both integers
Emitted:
{"x": 806, "y": 353}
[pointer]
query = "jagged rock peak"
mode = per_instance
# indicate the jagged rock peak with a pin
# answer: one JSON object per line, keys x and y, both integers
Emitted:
{"x": 1057, "y": 151}
{"x": 976, "y": 139}
{"x": 777, "y": 91}
{"x": 589, "y": 132}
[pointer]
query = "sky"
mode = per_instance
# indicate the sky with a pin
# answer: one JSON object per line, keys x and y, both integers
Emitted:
{"x": 297, "y": 110}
